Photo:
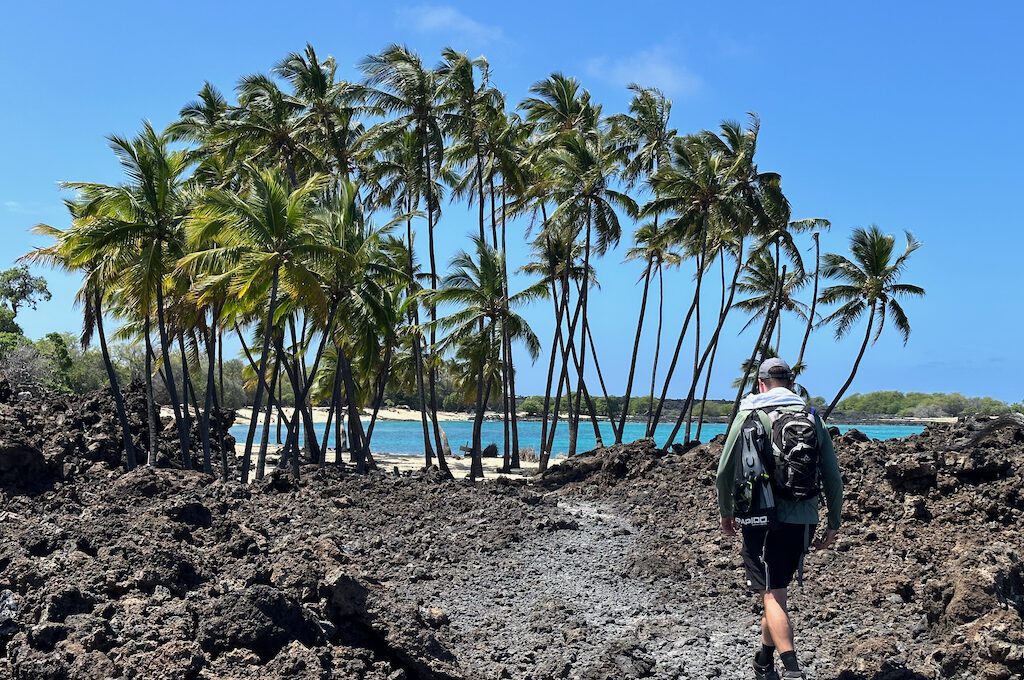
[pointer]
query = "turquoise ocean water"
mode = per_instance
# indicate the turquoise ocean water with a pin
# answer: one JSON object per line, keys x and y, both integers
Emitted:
{"x": 406, "y": 438}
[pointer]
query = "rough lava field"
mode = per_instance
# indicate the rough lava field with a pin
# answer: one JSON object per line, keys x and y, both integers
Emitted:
{"x": 611, "y": 565}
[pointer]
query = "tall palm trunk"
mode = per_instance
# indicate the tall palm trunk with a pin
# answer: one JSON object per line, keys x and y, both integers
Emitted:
{"x": 357, "y": 438}
{"x": 671, "y": 368}
{"x": 382, "y": 381}
{"x": 604, "y": 391}
{"x": 172, "y": 389}
{"x": 547, "y": 446}
{"x": 433, "y": 285}
{"x": 479, "y": 406}
{"x": 340, "y": 442}
{"x": 428, "y": 452}
{"x": 712, "y": 344}
{"x": 220, "y": 410}
{"x": 188, "y": 389}
{"x": 220, "y": 362}
{"x": 814, "y": 299}
{"x": 586, "y": 398}
{"x": 563, "y": 374}
{"x": 856, "y": 363}
{"x": 278, "y": 421}
{"x": 588, "y": 401}
{"x": 260, "y": 374}
{"x": 508, "y": 365}
{"x": 714, "y": 353}
{"x": 151, "y": 409}
{"x": 331, "y": 408}
{"x": 261, "y": 458}
{"x": 636, "y": 350}
{"x": 480, "y": 191}
{"x": 556, "y": 300}
{"x": 298, "y": 379}
{"x": 307, "y": 383}
{"x": 115, "y": 387}
{"x": 204, "y": 422}
{"x": 281, "y": 415}
{"x": 512, "y": 399}
{"x": 476, "y": 466}
{"x": 694, "y": 306}
{"x": 688, "y": 409}
{"x": 583, "y": 334}
{"x": 657, "y": 348}
{"x": 506, "y": 451}
{"x": 293, "y": 451}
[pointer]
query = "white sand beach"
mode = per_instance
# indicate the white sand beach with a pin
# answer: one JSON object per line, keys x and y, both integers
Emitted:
{"x": 458, "y": 464}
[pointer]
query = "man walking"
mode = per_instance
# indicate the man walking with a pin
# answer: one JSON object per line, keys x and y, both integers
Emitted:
{"x": 778, "y": 459}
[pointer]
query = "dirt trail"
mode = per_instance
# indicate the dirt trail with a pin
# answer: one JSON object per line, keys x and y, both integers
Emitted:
{"x": 548, "y": 605}
{"x": 563, "y": 604}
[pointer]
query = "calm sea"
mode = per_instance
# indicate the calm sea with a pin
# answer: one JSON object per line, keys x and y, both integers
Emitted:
{"x": 401, "y": 437}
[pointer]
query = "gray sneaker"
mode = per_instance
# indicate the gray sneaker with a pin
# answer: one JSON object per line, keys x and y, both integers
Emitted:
{"x": 793, "y": 675}
{"x": 765, "y": 672}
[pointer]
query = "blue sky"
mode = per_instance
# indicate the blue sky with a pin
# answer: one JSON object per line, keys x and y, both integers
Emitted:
{"x": 900, "y": 114}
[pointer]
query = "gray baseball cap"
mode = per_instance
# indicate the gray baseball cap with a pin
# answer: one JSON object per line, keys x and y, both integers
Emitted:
{"x": 774, "y": 369}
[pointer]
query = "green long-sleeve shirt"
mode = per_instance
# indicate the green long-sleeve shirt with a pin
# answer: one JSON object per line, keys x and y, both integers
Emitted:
{"x": 794, "y": 512}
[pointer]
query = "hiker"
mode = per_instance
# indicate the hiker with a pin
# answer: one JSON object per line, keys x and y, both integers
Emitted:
{"x": 777, "y": 461}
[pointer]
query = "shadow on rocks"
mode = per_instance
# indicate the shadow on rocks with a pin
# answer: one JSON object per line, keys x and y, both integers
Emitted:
{"x": 886, "y": 673}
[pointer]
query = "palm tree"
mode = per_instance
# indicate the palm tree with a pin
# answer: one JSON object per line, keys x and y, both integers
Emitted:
{"x": 394, "y": 174}
{"x": 645, "y": 138}
{"x": 469, "y": 106}
{"x": 477, "y": 287}
{"x": 361, "y": 278}
{"x": 555, "y": 258}
{"x": 871, "y": 277}
{"x": 99, "y": 272}
{"x": 560, "y": 106}
{"x": 583, "y": 170}
{"x": 760, "y": 283}
{"x": 264, "y": 246}
{"x": 643, "y": 134}
{"x": 697, "y": 192}
{"x": 269, "y": 128}
{"x": 655, "y": 247}
{"x": 487, "y": 143}
{"x": 145, "y": 214}
{"x": 398, "y": 84}
{"x": 330, "y": 105}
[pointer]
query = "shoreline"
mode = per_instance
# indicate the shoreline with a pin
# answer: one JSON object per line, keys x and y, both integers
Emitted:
{"x": 396, "y": 414}
{"x": 404, "y": 464}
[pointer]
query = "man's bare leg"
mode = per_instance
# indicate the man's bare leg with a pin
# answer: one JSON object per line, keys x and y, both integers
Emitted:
{"x": 775, "y": 627}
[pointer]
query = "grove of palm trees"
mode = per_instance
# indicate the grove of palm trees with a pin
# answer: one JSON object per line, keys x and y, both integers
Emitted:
{"x": 300, "y": 220}
{"x": 294, "y": 226}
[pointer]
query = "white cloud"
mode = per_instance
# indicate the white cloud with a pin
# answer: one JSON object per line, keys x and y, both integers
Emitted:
{"x": 658, "y": 66}
{"x": 19, "y": 208}
{"x": 448, "y": 21}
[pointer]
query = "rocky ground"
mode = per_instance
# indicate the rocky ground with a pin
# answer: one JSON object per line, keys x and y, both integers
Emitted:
{"x": 609, "y": 566}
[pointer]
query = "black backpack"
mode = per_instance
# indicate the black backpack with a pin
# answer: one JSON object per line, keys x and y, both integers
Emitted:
{"x": 753, "y": 496}
{"x": 795, "y": 453}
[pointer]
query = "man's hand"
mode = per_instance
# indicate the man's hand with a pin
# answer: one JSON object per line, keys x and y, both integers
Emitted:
{"x": 729, "y": 526}
{"x": 827, "y": 539}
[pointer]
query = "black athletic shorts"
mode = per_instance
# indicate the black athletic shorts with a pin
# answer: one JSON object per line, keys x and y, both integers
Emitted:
{"x": 772, "y": 556}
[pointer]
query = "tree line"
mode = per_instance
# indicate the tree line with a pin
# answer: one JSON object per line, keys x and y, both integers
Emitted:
{"x": 295, "y": 217}
{"x": 925, "y": 405}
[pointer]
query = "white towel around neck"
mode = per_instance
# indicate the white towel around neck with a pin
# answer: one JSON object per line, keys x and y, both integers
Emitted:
{"x": 773, "y": 398}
